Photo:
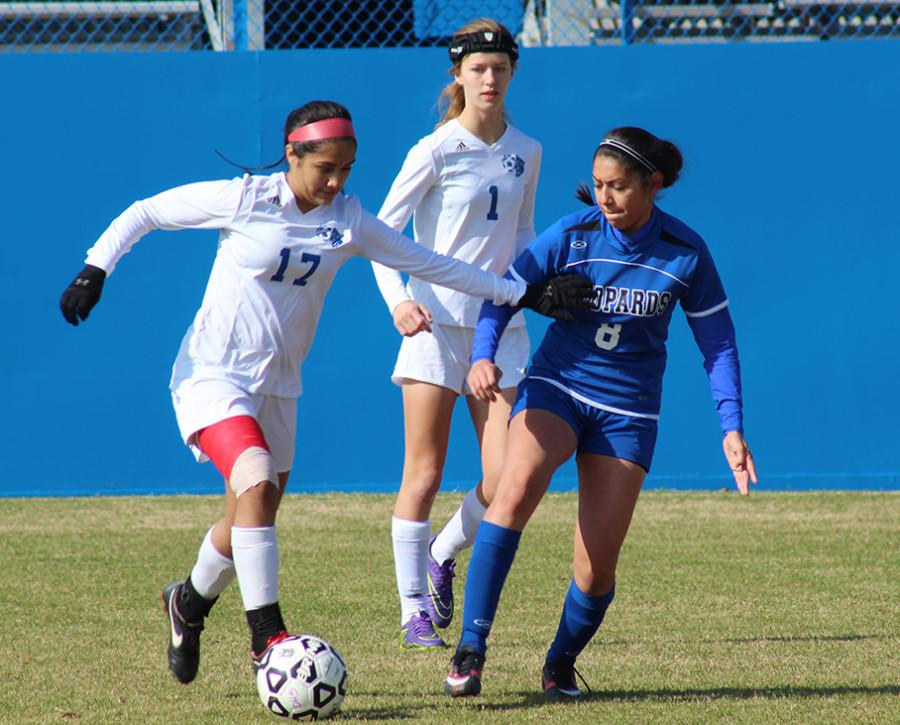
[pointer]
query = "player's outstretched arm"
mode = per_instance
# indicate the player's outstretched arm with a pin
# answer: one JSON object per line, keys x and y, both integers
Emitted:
{"x": 740, "y": 461}
{"x": 82, "y": 294}
{"x": 380, "y": 243}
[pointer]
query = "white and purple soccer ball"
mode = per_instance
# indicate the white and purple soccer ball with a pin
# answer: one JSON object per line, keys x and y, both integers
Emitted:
{"x": 302, "y": 678}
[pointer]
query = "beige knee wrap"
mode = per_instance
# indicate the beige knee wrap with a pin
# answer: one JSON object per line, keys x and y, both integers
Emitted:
{"x": 252, "y": 467}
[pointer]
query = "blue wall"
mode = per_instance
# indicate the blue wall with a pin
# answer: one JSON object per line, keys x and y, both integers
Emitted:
{"x": 791, "y": 152}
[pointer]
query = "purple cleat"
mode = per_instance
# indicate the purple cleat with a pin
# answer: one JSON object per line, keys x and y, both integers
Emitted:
{"x": 418, "y": 633}
{"x": 439, "y": 598}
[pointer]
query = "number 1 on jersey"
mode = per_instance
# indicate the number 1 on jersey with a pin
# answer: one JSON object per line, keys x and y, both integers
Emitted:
{"x": 495, "y": 196}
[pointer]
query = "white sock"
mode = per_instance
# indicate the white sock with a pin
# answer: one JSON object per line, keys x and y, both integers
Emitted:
{"x": 256, "y": 562}
{"x": 459, "y": 533}
{"x": 213, "y": 571}
{"x": 410, "y": 549}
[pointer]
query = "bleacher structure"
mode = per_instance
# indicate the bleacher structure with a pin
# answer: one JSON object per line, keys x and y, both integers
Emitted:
{"x": 247, "y": 25}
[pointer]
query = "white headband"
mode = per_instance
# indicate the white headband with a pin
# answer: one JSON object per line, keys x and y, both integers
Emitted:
{"x": 630, "y": 151}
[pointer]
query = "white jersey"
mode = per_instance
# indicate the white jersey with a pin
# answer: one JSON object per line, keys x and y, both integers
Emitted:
{"x": 469, "y": 200}
{"x": 273, "y": 267}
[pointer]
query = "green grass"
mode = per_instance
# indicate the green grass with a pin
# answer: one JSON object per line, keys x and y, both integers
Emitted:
{"x": 778, "y": 608}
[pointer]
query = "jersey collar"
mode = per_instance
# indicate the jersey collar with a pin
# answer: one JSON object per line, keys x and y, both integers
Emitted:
{"x": 472, "y": 137}
{"x": 634, "y": 241}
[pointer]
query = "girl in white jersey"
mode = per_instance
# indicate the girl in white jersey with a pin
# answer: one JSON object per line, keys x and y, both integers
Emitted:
{"x": 470, "y": 187}
{"x": 236, "y": 380}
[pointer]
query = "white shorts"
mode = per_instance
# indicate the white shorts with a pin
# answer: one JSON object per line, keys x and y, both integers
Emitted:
{"x": 200, "y": 403}
{"x": 442, "y": 357}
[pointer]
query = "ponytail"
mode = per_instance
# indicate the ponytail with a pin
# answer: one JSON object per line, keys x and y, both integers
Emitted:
{"x": 299, "y": 117}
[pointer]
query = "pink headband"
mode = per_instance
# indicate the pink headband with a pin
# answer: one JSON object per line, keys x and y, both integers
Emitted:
{"x": 321, "y": 130}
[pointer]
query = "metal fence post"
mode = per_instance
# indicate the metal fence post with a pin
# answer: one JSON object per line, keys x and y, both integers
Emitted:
{"x": 240, "y": 24}
{"x": 249, "y": 25}
{"x": 627, "y": 25}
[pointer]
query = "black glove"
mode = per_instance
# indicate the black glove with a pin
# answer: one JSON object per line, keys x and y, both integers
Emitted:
{"x": 559, "y": 296}
{"x": 80, "y": 297}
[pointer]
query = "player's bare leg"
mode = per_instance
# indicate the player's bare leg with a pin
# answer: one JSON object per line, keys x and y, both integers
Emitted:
{"x": 538, "y": 443}
{"x": 490, "y": 420}
{"x": 427, "y": 413}
{"x": 608, "y": 491}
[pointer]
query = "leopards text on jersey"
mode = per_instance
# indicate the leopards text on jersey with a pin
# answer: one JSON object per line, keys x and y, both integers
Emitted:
{"x": 273, "y": 267}
{"x": 471, "y": 201}
{"x": 613, "y": 356}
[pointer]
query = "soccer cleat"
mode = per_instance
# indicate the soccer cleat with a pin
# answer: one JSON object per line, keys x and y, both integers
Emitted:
{"x": 258, "y": 660}
{"x": 184, "y": 637}
{"x": 558, "y": 680}
{"x": 464, "y": 679}
{"x": 418, "y": 633}
{"x": 439, "y": 599}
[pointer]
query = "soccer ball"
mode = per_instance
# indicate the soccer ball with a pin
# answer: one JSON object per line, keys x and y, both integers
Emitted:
{"x": 302, "y": 678}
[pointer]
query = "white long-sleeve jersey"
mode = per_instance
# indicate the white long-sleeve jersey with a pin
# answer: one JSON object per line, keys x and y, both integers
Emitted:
{"x": 469, "y": 200}
{"x": 272, "y": 270}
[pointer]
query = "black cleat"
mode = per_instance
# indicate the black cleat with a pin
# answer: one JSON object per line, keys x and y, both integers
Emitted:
{"x": 262, "y": 659}
{"x": 558, "y": 680}
{"x": 184, "y": 637}
{"x": 464, "y": 679}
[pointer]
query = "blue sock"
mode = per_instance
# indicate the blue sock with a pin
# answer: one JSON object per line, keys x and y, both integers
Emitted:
{"x": 492, "y": 556}
{"x": 580, "y": 620}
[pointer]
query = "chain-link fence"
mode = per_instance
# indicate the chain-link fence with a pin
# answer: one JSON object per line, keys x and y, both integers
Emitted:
{"x": 226, "y": 25}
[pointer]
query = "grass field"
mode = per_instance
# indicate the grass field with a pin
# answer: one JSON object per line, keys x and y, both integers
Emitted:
{"x": 778, "y": 608}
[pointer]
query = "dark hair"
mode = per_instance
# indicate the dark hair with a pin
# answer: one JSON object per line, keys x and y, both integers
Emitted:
{"x": 310, "y": 113}
{"x": 299, "y": 117}
{"x": 663, "y": 155}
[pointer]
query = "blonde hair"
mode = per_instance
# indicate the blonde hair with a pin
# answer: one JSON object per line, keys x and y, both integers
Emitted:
{"x": 452, "y": 100}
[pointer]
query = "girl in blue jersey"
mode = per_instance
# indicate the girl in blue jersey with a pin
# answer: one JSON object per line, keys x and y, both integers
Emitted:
{"x": 593, "y": 390}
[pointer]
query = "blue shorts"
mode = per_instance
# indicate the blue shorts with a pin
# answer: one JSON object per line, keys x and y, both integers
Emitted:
{"x": 598, "y": 431}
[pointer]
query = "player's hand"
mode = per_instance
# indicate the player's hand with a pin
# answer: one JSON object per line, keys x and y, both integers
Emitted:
{"x": 484, "y": 380}
{"x": 80, "y": 297}
{"x": 411, "y": 318}
{"x": 558, "y": 297}
{"x": 740, "y": 461}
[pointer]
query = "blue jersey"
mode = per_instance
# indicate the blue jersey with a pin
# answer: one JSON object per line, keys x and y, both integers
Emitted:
{"x": 613, "y": 356}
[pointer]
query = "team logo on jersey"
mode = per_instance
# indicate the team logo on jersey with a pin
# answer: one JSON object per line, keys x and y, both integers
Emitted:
{"x": 578, "y": 244}
{"x": 329, "y": 233}
{"x": 276, "y": 200}
{"x": 461, "y": 146}
{"x": 613, "y": 300}
{"x": 513, "y": 163}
